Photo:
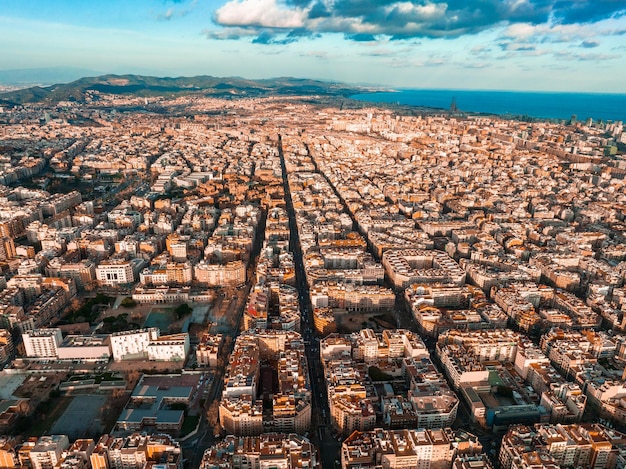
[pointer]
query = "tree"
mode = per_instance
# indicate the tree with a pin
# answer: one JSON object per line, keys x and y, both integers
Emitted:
{"x": 75, "y": 304}
{"x": 182, "y": 310}
{"x": 376, "y": 374}
{"x": 132, "y": 377}
{"x": 213, "y": 417}
{"x": 102, "y": 299}
{"x": 504, "y": 391}
{"x": 128, "y": 302}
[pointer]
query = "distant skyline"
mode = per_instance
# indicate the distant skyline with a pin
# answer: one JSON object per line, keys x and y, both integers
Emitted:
{"x": 533, "y": 45}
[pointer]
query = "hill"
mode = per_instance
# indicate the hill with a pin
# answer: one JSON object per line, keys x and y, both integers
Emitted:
{"x": 146, "y": 86}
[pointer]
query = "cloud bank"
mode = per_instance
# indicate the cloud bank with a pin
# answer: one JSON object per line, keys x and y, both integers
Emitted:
{"x": 361, "y": 20}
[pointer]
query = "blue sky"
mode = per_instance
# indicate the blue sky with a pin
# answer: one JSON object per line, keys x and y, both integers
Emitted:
{"x": 561, "y": 45}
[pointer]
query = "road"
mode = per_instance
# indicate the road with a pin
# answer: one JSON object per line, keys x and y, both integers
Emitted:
{"x": 194, "y": 447}
{"x": 320, "y": 431}
{"x": 231, "y": 307}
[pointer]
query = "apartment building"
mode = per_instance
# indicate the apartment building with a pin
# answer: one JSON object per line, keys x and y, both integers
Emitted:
{"x": 42, "y": 343}
{"x": 136, "y": 450}
{"x": 241, "y": 412}
{"x": 405, "y": 267}
{"x": 129, "y": 345}
{"x": 287, "y": 451}
{"x": 207, "y": 351}
{"x": 115, "y": 272}
{"x": 576, "y": 445}
{"x": 395, "y": 449}
{"x": 48, "y": 451}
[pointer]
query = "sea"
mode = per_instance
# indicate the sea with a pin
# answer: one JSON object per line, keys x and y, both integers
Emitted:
{"x": 540, "y": 105}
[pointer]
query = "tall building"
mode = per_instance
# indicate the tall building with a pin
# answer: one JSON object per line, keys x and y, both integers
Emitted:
{"x": 83, "y": 272}
{"x": 42, "y": 343}
{"x": 48, "y": 451}
{"x": 179, "y": 273}
{"x": 129, "y": 345}
{"x": 7, "y": 249}
{"x": 115, "y": 272}
{"x": 229, "y": 274}
{"x": 176, "y": 247}
{"x": 453, "y": 107}
{"x": 136, "y": 451}
{"x": 577, "y": 445}
{"x": 408, "y": 266}
{"x": 208, "y": 349}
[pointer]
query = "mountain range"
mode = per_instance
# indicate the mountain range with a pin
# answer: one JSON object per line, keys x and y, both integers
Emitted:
{"x": 146, "y": 86}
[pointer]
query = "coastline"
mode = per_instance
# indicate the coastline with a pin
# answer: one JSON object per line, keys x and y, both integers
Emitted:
{"x": 548, "y": 106}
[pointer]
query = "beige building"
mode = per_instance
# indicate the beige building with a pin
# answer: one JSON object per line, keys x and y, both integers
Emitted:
{"x": 576, "y": 445}
{"x": 207, "y": 351}
{"x": 241, "y": 416}
{"x": 350, "y": 410}
{"x": 218, "y": 275}
{"x": 324, "y": 321}
{"x": 279, "y": 450}
{"x": 241, "y": 411}
{"x": 400, "y": 449}
{"x": 405, "y": 267}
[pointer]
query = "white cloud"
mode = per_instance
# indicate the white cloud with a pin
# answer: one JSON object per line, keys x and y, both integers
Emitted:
{"x": 592, "y": 57}
{"x": 521, "y": 31}
{"x": 230, "y": 33}
{"x": 562, "y": 32}
{"x": 426, "y": 12}
{"x": 318, "y": 54}
{"x": 260, "y": 13}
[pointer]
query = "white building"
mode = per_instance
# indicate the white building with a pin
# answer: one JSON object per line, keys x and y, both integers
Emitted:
{"x": 48, "y": 451}
{"x": 173, "y": 347}
{"x": 161, "y": 294}
{"x": 526, "y": 356}
{"x": 154, "y": 276}
{"x": 88, "y": 347}
{"x": 129, "y": 345}
{"x": 115, "y": 272}
{"x": 42, "y": 343}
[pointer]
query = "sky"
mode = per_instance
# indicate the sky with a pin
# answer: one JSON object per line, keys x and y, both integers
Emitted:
{"x": 533, "y": 45}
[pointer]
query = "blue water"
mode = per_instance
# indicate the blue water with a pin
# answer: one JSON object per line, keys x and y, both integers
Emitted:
{"x": 547, "y": 105}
